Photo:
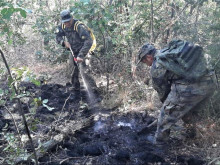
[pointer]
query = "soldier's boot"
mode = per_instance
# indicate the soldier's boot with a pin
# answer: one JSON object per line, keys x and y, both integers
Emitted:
{"x": 161, "y": 138}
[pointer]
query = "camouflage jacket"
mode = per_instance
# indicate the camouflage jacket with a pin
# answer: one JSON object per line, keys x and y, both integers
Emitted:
{"x": 80, "y": 41}
{"x": 161, "y": 79}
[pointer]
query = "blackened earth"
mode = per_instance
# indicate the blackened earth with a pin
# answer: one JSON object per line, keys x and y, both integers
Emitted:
{"x": 112, "y": 138}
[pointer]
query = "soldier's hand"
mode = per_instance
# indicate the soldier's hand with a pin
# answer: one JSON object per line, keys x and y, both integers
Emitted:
{"x": 67, "y": 44}
{"x": 79, "y": 59}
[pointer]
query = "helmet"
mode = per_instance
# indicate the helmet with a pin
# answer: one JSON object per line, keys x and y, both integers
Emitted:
{"x": 65, "y": 16}
{"x": 145, "y": 49}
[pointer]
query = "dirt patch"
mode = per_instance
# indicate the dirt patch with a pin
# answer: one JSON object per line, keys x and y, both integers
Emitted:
{"x": 110, "y": 137}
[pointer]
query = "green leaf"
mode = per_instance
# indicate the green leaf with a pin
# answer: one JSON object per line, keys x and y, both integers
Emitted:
{"x": 12, "y": 96}
{"x": 23, "y": 13}
{"x": 21, "y": 95}
{"x": 3, "y": 11}
{"x": 10, "y": 41}
{"x": 6, "y": 29}
{"x": 10, "y": 34}
{"x": 6, "y": 148}
{"x": 7, "y": 13}
{"x": 2, "y": 102}
{"x": 10, "y": 81}
{"x": 36, "y": 82}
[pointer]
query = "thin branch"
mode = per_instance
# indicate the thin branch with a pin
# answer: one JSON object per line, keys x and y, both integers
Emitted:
{"x": 20, "y": 108}
{"x": 16, "y": 127}
{"x": 63, "y": 106}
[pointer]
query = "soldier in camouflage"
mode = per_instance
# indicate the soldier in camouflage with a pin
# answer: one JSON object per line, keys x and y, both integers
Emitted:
{"x": 180, "y": 97}
{"x": 79, "y": 41}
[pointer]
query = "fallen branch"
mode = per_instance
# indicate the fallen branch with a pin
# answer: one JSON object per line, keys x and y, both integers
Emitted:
{"x": 73, "y": 158}
{"x": 64, "y": 132}
{"x": 152, "y": 124}
{"x": 213, "y": 160}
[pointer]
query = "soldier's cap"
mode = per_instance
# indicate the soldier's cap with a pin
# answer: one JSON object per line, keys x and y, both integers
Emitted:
{"x": 145, "y": 49}
{"x": 65, "y": 16}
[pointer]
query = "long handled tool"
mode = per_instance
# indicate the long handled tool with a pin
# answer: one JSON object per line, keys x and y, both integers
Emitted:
{"x": 82, "y": 74}
{"x": 74, "y": 58}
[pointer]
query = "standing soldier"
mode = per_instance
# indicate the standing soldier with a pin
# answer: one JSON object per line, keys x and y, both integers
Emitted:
{"x": 80, "y": 42}
{"x": 181, "y": 92}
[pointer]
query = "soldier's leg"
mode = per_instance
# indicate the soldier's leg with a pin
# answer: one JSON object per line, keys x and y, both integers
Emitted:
{"x": 179, "y": 102}
{"x": 208, "y": 85}
{"x": 190, "y": 119}
{"x": 75, "y": 78}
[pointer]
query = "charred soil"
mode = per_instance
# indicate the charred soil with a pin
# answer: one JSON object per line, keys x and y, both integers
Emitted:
{"x": 88, "y": 133}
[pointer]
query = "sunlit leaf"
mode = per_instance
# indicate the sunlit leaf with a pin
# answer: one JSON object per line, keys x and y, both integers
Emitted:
{"x": 10, "y": 42}
{"x": 36, "y": 82}
{"x": 2, "y": 102}
{"x": 45, "y": 101}
{"x": 85, "y": 1}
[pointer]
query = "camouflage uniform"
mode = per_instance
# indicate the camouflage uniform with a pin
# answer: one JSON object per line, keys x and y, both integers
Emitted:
{"x": 180, "y": 97}
{"x": 81, "y": 43}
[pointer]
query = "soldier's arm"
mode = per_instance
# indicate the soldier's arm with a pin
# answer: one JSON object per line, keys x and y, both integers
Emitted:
{"x": 161, "y": 81}
{"x": 87, "y": 40}
{"x": 60, "y": 36}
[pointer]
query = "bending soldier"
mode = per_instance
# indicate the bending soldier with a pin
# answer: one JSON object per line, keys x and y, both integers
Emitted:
{"x": 180, "y": 96}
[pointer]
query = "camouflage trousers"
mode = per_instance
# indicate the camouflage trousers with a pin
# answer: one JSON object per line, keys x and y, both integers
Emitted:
{"x": 82, "y": 71}
{"x": 183, "y": 100}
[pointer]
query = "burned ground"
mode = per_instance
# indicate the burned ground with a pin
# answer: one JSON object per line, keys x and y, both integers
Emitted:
{"x": 90, "y": 133}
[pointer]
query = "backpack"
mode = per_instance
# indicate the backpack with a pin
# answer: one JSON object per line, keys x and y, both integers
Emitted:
{"x": 184, "y": 59}
{"x": 75, "y": 28}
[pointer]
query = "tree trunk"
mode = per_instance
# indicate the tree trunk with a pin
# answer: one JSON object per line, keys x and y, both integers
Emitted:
{"x": 152, "y": 22}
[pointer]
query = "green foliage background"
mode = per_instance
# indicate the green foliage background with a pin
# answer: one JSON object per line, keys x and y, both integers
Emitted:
{"x": 120, "y": 27}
